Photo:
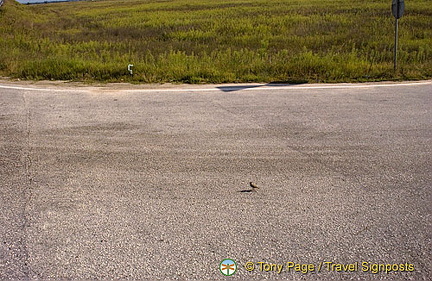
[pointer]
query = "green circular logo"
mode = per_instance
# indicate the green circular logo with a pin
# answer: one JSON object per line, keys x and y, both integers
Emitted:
{"x": 228, "y": 267}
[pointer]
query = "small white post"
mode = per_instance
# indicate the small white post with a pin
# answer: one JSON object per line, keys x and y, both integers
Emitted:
{"x": 130, "y": 69}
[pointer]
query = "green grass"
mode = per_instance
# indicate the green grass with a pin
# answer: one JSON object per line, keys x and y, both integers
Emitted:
{"x": 214, "y": 41}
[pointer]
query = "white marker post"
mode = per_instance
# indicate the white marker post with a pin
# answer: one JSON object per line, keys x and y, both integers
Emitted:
{"x": 130, "y": 69}
{"x": 398, "y": 7}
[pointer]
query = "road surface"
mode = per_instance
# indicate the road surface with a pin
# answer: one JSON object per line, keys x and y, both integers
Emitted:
{"x": 152, "y": 182}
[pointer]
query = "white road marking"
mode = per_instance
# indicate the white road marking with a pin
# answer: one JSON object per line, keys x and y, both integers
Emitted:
{"x": 32, "y": 89}
{"x": 265, "y": 87}
{"x": 222, "y": 88}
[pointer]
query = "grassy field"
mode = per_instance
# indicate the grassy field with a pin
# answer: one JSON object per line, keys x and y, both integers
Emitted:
{"x": 215, "y": 41}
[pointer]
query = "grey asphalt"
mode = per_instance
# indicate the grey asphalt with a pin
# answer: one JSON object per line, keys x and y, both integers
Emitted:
{"x": 140, "y": 182}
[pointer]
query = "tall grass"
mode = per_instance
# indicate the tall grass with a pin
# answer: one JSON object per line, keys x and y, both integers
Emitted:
{"x": 215, "y": 41}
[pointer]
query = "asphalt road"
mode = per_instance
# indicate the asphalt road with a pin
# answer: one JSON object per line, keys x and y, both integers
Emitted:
{"x": 133, "y": 182}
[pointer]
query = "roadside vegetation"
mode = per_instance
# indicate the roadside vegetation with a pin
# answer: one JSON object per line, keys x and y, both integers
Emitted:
{"x": 215, "y": 41}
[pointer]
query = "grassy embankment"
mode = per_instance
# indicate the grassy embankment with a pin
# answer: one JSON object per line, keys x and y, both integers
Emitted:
{"x": 215, "y": 40}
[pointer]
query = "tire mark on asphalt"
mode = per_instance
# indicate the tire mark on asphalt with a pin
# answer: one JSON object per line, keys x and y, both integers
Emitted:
{"x": 294, "y": 148}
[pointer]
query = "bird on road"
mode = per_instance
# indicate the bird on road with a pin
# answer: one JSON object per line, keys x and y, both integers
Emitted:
{"x": 253, "y": 186}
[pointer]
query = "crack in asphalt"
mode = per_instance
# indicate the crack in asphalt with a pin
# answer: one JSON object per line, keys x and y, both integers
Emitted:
{"x": 27, "y": 192}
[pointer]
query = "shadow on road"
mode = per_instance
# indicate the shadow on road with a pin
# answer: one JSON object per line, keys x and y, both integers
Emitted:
{"x": 272, "y": 84}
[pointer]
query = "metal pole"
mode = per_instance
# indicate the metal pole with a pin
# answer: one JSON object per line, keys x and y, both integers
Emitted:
{"x": 396, "y": 44}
